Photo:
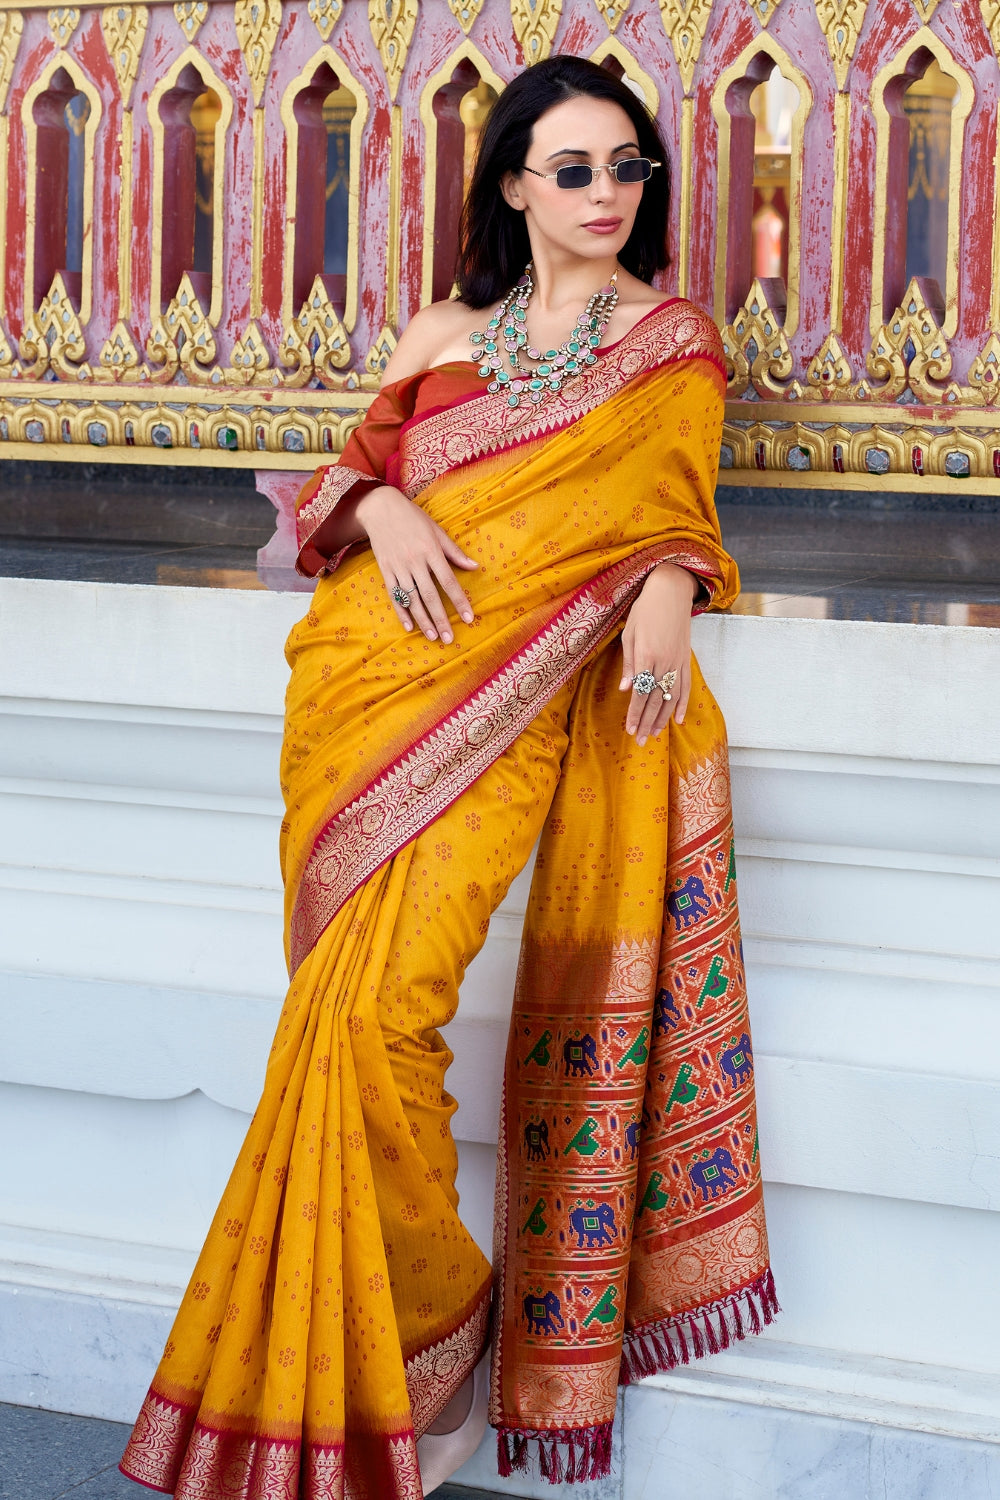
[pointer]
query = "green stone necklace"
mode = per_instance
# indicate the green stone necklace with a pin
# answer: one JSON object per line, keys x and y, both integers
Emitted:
{"x": 507, "y": 327}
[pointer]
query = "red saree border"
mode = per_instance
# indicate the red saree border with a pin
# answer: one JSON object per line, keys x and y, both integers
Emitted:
{"x": 201, "y": 1459}
{"x": 417, "y": 787}
{"x": 435, "y": 1374}
{"x": 458, "y": 435}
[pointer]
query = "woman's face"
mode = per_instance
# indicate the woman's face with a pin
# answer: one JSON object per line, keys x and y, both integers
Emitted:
{"x": 592, "y": 222}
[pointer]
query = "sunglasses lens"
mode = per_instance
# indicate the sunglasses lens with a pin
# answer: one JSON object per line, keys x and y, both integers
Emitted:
{"x": 633, "y": 169}
{"x": 575, "y": 176}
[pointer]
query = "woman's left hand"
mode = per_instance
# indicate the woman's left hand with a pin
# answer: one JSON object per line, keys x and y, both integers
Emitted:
{"x": 657, "y": 639}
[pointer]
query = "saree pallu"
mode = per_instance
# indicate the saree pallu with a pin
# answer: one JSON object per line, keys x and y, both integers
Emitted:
{"x": 339, "y": 1303}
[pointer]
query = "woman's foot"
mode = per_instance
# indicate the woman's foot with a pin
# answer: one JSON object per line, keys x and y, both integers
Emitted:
{"x": 444, "y": 1448}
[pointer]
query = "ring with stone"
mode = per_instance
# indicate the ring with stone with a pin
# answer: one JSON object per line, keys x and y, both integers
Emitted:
{"x": 643, "y": 683}
{"x": 665, "y": 684}
{"x": 401, "y": 597}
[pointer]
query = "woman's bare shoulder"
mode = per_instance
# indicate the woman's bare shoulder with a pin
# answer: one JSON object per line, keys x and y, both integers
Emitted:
{"x": 430, "y": 334}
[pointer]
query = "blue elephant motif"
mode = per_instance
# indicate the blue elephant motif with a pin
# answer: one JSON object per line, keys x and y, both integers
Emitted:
{"x": 594, "y": 1226}
{"x": 543, "y": 1314}
{"x": 580, "y": 1055}
{"x": 736, "y": 1061}
{"x": 688, "y": 903}
{"x": 536, "y": 1140}
{"x": 714, "y": 1174}
{"x": 666, "y": 1016}
{"x": 632, "y": 1133}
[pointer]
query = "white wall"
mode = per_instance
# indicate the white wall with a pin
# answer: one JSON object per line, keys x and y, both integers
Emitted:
{"x": 141, "y": 972}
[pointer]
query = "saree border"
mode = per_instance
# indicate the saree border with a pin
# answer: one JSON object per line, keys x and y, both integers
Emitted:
{"x": 454, "y": 437}
{"x": 417, "y": 787}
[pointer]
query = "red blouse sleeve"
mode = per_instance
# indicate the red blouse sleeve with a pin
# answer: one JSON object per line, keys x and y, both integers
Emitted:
{"x": 367, "y": 461}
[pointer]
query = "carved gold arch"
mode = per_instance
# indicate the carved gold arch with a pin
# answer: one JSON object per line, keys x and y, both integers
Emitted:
{"x": 324, "y": 54}
{"x": 41, "y": 83}
{"x": 465, "y": 52}
{"x": 611, "y": 47}
{"x": 212, "y": 81}
{"x": 961, "y": 109}
{"x": 766, "y": 45}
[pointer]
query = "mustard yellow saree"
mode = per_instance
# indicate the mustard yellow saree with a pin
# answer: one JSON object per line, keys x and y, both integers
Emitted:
{"x": 339, "y": 1302}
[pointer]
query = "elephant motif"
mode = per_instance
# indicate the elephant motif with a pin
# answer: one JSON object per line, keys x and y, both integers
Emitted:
{"x": 543, "y": 1314}
{"x": 688, "y": 903}
{"x": 580, "y": 1054}
{"x": 714, "y": 1174}
{"x": 632, "y": 1133}
{"x": 536, "y": 1140}
{"x": 736, "y": 1061}
{"x": 666, "y": 1016}
{"x": 594, "y": 1226}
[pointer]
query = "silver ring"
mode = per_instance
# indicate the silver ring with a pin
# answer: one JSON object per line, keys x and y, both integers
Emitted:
{"x": 401, "y": 597}
{"x": 643, "y": 683}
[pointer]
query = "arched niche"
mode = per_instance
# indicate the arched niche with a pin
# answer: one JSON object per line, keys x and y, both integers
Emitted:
{"x": 889, "y": 92}
{"x": 732, "y": 106}
{"x": 453, "y": 106}
{"x": 312, "y": 110}
{"x": 613, "y": 56}
{"x": 60, "y": 182}
{"x": 181, "y": 102}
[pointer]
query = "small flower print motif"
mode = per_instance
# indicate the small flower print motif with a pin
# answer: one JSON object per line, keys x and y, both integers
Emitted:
{"x": 659, "y": 814}
{"x": 213, "y": 1333}
{"x": 355, "y": 1140}
{"x": 418, "y": 1265}
{"x": 438, "y": 986}
{"x": 587, "y": 794}
{"x": 323, "y": 1064}
{"x": 259, "y": 1160}
{"x": 170, "y": 1350}
{"x": 518, "y": 519}
{"x": 200, "y": 1290}
{"x": 233, "y": 1228}
{"x": 409, "y": 1212}
{"x": 355, "y": 1025}
{"x": 370, "y": 1093}
{"x": 684, "y": 427}
{"x": 633, "y": 854}
{"x": 246, "y": 1355}
{"x": 472, "y": 890}
{"x": 376, "y": 1282}
{"x": 504, "y": 793}
{"x": 258, "y": 1244}
{"x": 286, "y": 1358}
{"x": 390, "y": 1153}
{"x": 321, "y": 1364}
{"x": 473, "y": 821}
{"x": 232, "y": 1312}
{"x": 424, "y": 1310}
{"x": 443, "y": 850}
{"x": 310, "y": 1210}
{"x": 454, "y": 1271}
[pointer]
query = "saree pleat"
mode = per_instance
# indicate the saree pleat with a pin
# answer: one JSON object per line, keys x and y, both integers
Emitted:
{"x": 339, "y": 1302}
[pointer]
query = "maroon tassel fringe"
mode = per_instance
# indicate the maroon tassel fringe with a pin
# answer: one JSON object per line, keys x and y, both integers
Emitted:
{"x": 564, "y": 1455}
{"x": 660, "y": 1347}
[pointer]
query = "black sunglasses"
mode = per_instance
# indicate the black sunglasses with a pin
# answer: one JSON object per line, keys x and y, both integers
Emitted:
{"x": 581, "y": 175}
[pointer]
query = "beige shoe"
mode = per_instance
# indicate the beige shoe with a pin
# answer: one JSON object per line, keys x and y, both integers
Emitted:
{"x": 441, "y": 1454}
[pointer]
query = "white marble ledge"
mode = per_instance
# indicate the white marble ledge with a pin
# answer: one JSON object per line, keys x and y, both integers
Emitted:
{"x": 854, "y": 1387}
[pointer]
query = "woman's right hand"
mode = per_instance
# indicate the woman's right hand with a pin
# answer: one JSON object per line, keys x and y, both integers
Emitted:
{"x": 415, "y": 554}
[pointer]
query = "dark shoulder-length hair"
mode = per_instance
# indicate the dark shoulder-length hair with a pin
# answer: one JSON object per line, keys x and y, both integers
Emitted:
{"x": 493, "y": 239}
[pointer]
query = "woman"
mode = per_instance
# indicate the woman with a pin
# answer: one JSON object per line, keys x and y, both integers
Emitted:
{"x": 458, "y": 690}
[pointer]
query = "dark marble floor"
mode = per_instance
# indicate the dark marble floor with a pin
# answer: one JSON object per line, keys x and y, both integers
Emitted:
{"x": 46, "y": 1455}
{"x": 830, "y": 555}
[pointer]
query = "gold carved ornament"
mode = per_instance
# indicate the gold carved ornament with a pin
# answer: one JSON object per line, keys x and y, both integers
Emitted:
{"x": 392, "y": 23}
{"x": 466, "y": 11}
{"x": 250, "y": 363}
{"x": 11, "y": 26}
{"x": 52, "y": 339}
{"x": 325, "y": 14}
{"x": 841, "y": 22}
{"x": 182, "y": 339}
{"x": 119, "y": 358}
{"x": 925, "y": 9}
{"x": 316, "y": 344}
{"x": 756, "y": 349}
{"x": 612, "y": 11}
{"x": 535, "y": 23}
{"x": 9, "y": 367}
{"x": 909, "y": 352}
{"x": 190, "y": 15}
{"x": 124, "y": 28}
{"x": 763, "y": 9}
{"x": 684, "y": 22}
{"x": 257, "y": 25}
{"x": 63, "y": 21}
{"x": 983, "y": 388}
{"x": 828, "y": 376}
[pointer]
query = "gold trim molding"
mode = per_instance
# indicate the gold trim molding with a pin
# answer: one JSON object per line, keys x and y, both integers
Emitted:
{"x": 191, "y": 15}
{"x": 324, "y": 15}
{"x": 841, "y": 22}
{"x": 612, "y": 11}
{"x": 763, "y": 9}
{"x": 11, "y": 27}
{"x": 63, "y": 21}
{"x": 257, "y": 25}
